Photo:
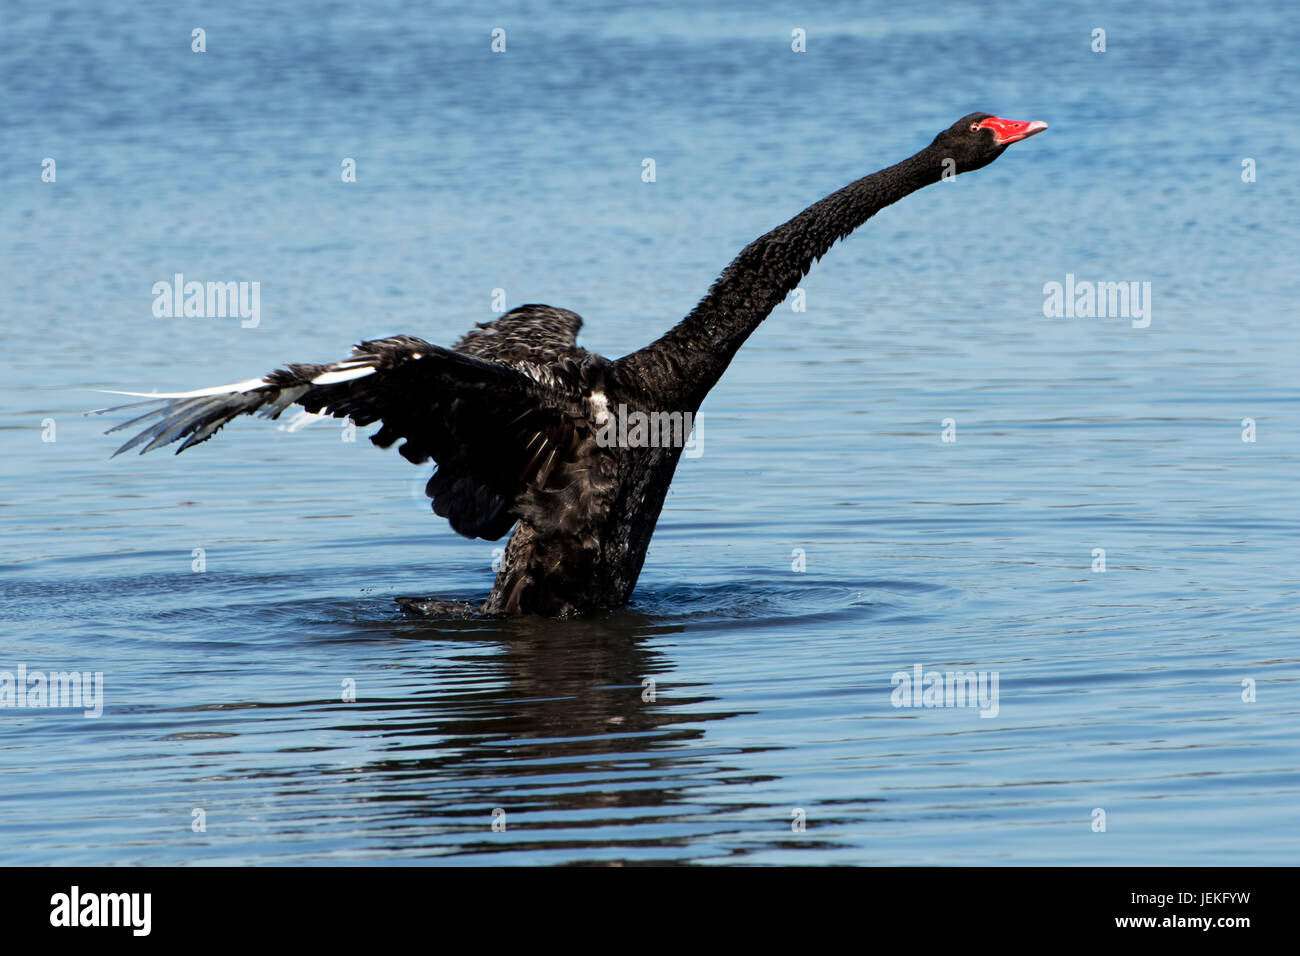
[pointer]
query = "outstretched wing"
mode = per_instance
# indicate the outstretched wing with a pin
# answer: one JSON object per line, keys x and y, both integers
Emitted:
{"x": 531, "y": 334}
{"x": 493, "y": 430}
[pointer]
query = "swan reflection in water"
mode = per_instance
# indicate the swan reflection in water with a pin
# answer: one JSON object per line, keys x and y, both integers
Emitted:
{"x": 568, "y": 727}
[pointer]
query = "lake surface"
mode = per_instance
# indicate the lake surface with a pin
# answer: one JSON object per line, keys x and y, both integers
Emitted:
{"x": 234, "y": 598}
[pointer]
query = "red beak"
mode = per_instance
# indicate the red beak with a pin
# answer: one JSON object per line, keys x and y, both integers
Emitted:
{"x": 1007, "y": 131}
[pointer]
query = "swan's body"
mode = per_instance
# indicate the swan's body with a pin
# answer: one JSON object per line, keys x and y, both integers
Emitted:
{"x": 513, "y": 413}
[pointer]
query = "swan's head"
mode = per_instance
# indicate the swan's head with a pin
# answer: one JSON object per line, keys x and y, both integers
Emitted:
{"x": 976, "y": 140}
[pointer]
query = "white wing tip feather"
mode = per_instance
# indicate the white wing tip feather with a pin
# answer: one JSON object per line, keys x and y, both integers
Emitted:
{"x": 343, "y": 375}
{"x": 245, "y": 386}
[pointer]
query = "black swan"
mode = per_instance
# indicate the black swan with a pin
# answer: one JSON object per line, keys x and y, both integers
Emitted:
{"x": 518, "y": 418}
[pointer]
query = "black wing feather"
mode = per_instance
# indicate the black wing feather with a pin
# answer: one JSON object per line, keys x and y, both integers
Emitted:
{"x": 492, "y": 429}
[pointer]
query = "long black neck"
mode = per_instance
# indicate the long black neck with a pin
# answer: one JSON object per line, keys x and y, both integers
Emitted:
{"x": 682, "y": 366}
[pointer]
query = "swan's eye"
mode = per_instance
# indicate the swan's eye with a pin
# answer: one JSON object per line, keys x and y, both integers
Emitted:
{"x": 974, "y": 127}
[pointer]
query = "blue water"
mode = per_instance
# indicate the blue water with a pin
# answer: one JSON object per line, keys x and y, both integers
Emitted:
{"x": 1119, "y": 691}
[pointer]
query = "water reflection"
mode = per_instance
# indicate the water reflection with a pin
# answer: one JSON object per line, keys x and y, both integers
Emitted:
{"x": 567, "y": 726}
